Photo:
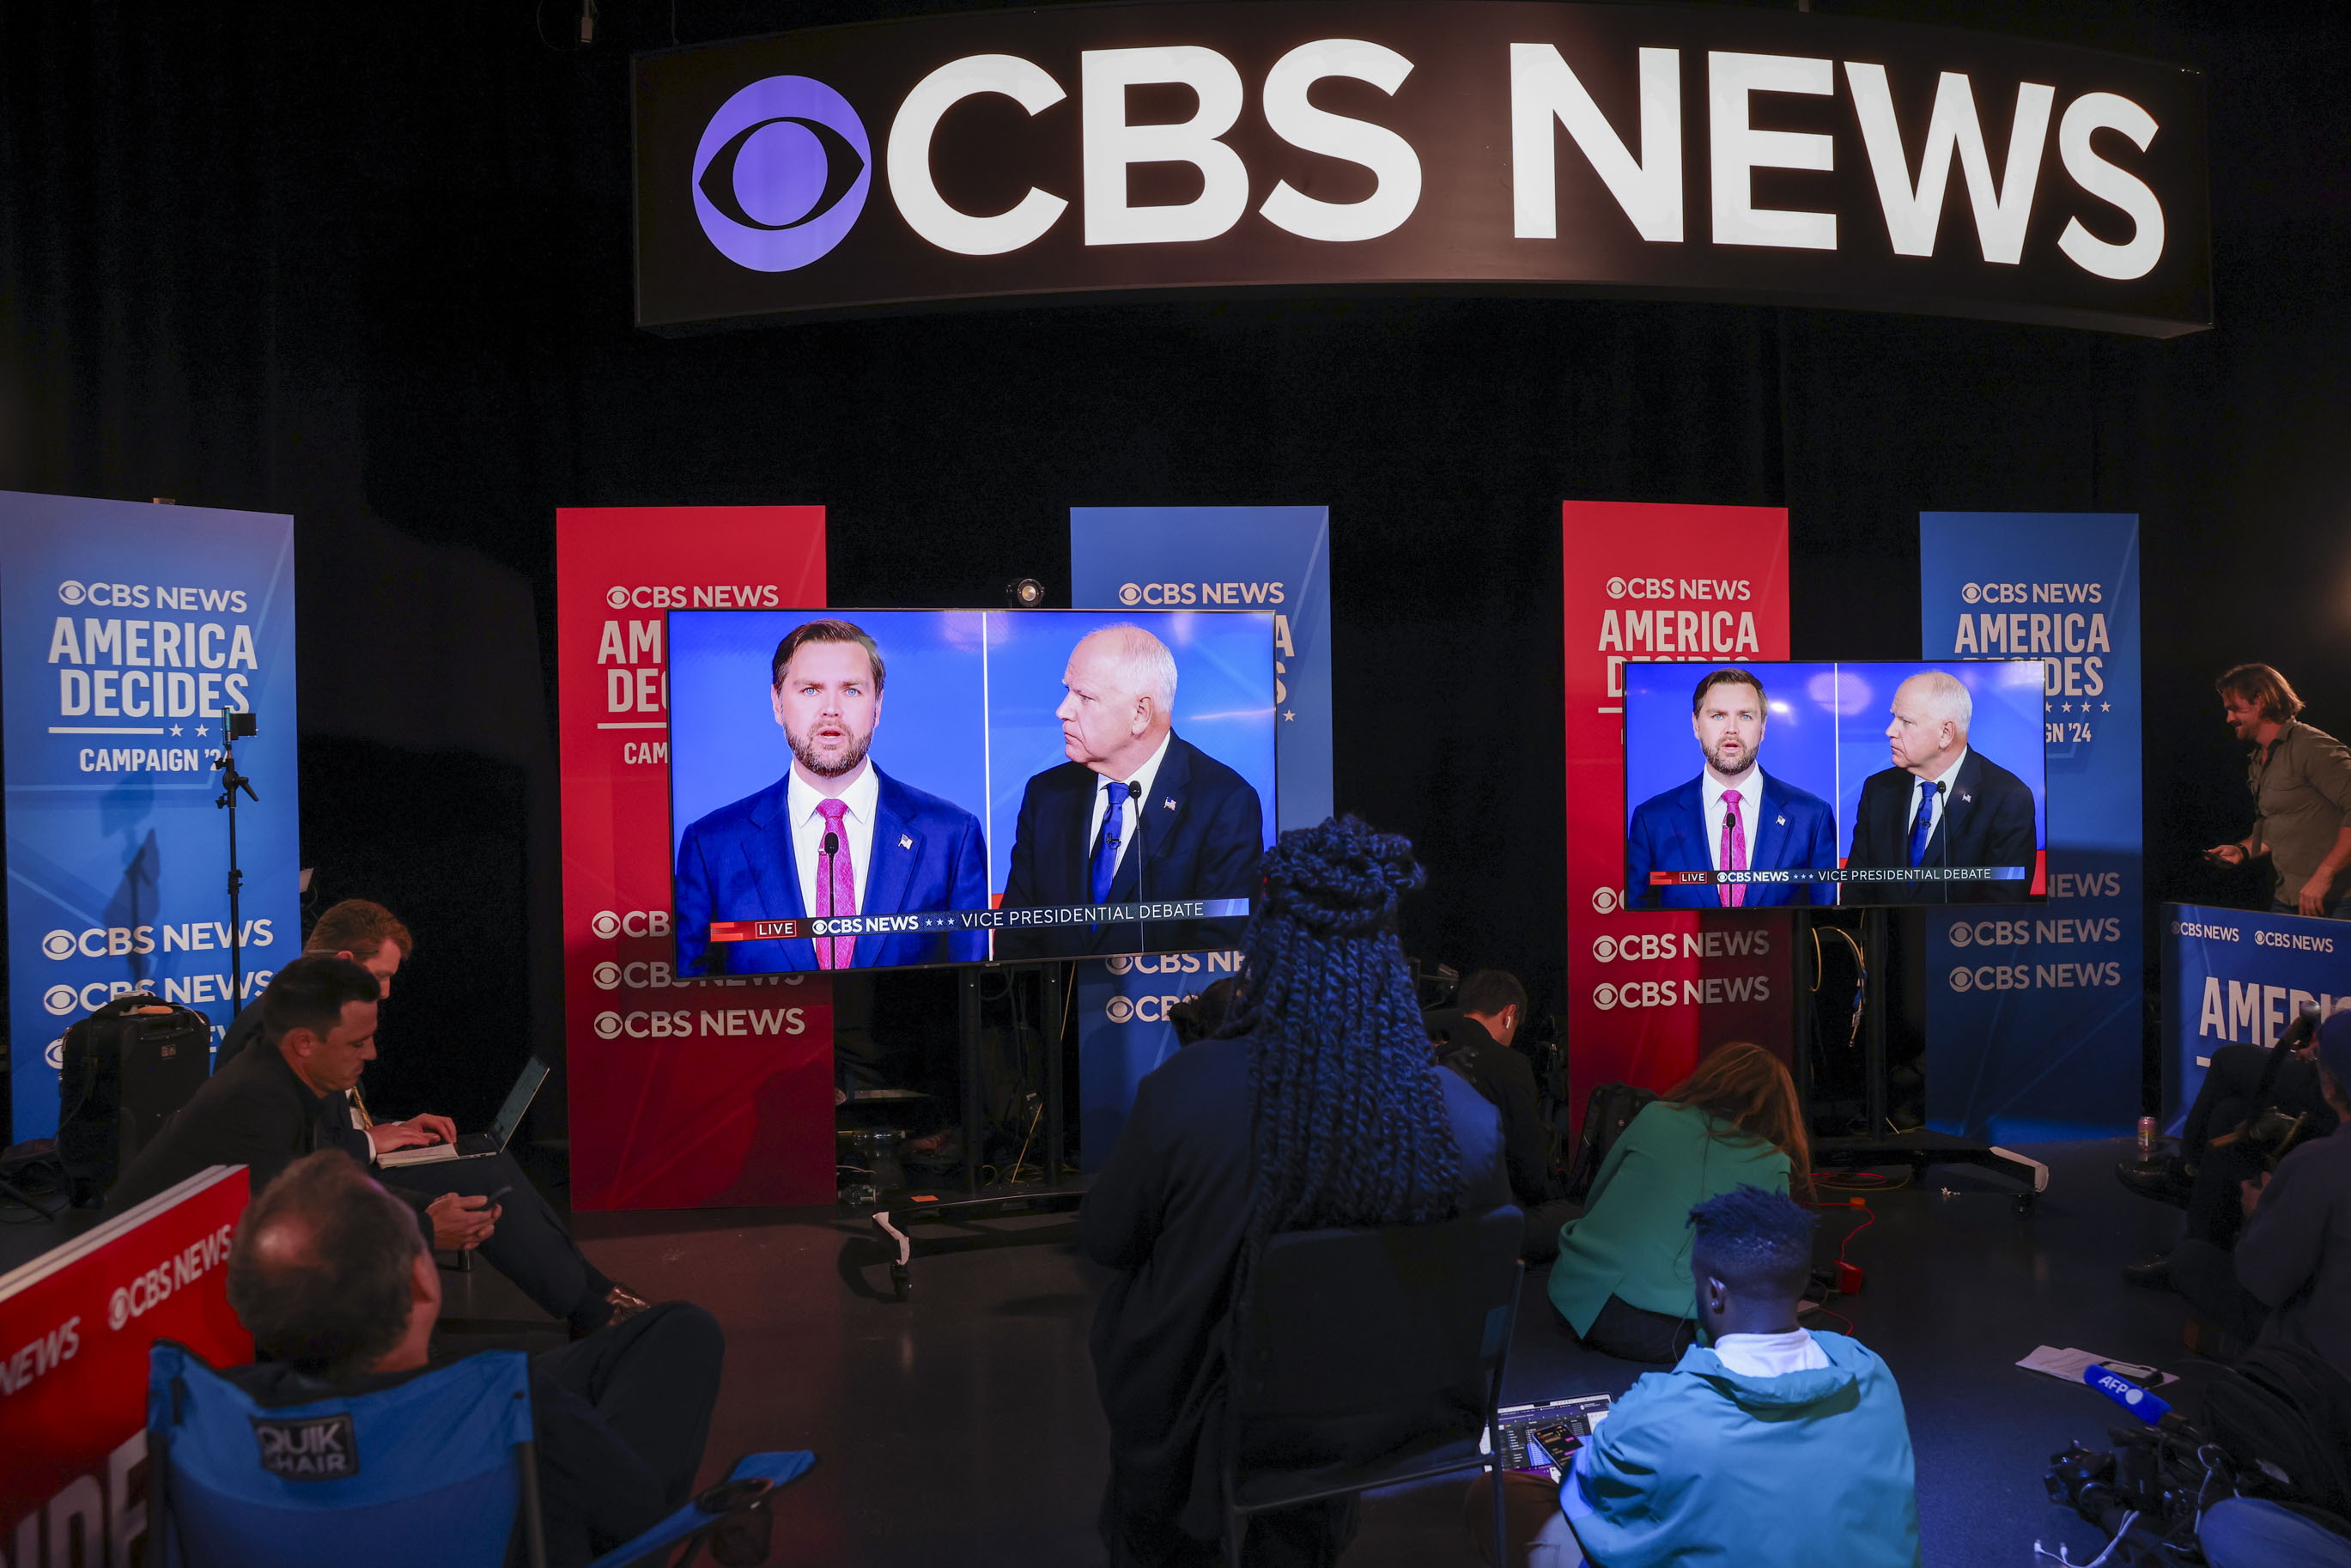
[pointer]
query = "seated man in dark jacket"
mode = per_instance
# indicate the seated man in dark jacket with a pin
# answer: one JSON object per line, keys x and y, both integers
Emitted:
{"x": 330, "y": 1277}
{"x": 2204, "y": 1176}
{"x": 1492, "y": 1005}
{"x": 282, "y": 1098}
{"x": 2289, "y": 1277}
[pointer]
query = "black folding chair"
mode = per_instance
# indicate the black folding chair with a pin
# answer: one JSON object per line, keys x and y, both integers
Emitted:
{"x": 1367, "y": 1358}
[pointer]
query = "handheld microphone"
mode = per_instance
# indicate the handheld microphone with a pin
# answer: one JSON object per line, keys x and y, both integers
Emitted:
{"x": 2139, "y": 1402}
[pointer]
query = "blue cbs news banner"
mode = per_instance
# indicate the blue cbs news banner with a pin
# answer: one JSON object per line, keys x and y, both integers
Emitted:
{"x": 2034, "y": 1013}
{"x": 1200, "y": 557}
{"x": 126, "y": 631}
{"x": 2240, "y": 979}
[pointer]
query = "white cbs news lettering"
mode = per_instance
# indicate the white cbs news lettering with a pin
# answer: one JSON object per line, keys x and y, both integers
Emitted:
{"x": 1152, "y": 1008}
{"x": 1653, "y": 945}
{"x": 156, "y": 1285}
{"x": 2035, "y": 977}
{"x": 1544, "y": 92}
{"x": 710, "y": 1022}
{"x": 1714, "y": 992}
{"x": 2033, "y": 933}
{"x": 611, "y": 923}
{"x": 64, "y": 946}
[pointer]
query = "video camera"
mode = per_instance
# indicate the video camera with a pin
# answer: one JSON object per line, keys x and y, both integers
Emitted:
{"x": 2147, "y": 1494}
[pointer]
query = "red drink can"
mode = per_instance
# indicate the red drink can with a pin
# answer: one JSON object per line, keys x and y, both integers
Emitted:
{"x": 2145, "y": 1137}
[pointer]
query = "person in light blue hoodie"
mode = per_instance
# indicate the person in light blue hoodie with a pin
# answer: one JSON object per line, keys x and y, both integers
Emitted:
{"x": 1769, "y": 1446}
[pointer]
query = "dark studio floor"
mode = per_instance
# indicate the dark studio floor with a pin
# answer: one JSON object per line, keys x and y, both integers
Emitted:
{"x": 961, "y": 1426}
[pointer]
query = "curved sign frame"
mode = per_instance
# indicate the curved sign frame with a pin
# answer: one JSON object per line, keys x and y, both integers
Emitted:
{"x": 1430, "y": 146}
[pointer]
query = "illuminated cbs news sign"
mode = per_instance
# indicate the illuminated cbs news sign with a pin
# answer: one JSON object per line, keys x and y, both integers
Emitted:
{"x": 1438, "y": 145}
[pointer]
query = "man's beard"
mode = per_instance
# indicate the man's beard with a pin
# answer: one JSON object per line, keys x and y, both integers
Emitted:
{"x": 824, "y": 767}
{"x": 1714, "y": 761}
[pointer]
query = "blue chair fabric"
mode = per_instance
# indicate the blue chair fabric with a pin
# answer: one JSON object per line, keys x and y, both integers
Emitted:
{"x": 435, "y": 1469}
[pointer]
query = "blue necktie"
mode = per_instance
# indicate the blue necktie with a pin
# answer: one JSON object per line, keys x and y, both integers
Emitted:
{"x": 1106, "y": 846}
{"x": 1923, "y": 827}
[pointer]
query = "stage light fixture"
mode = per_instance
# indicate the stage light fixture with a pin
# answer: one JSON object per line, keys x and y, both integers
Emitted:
{"x": 1024, "y": 593}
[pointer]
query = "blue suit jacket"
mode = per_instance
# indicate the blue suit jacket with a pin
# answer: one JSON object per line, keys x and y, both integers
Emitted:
{"x": 1203, "y": 833}
{"x": 736, "y": 864}
{"x": 1789, "y": 829}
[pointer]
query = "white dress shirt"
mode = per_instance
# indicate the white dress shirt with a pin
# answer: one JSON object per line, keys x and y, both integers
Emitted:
{"x": 1751, "y": 801}
{"x": 1145, "y": 776}
{"x": 1951, "y": 776}
{"x": 800, "y": 802}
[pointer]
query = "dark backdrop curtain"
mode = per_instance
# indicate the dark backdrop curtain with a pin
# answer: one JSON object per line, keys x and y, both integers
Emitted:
{"x": 369, "y": 266}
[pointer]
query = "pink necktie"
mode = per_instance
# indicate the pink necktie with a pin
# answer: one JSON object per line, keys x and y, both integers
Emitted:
{"x": 1734, "y": 850}
{"x": 836, "y": 888}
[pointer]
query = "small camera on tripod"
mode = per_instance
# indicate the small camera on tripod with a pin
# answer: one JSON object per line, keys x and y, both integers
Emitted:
{"x": 240, "y": 724}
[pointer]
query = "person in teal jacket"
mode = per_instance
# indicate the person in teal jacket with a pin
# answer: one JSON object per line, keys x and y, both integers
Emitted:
{"x": 1622, "y": 1284}
{"x": 1769, "y": 1448}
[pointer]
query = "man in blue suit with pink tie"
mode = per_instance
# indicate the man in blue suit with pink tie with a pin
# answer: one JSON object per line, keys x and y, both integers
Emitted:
{"x": 834, "y": 836}
{"x": 1731, "y": 817}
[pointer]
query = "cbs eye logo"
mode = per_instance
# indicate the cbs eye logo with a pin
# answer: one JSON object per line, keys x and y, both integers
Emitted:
{"x": 1970, "y": 593}
{"x": 1130, "y": 594}
{"x": 72, "y": 592}
{"x": 781, "y": 173}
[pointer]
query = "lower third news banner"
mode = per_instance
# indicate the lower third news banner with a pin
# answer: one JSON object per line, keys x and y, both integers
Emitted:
{"x": 936, "y": 921}
{"x": 2020, "y": 876}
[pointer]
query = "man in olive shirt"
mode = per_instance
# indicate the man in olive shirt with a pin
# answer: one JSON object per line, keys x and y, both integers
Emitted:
{"x": 2301, "y": 783}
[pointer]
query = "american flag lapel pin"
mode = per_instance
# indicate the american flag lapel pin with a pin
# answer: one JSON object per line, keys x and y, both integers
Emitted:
{"x": 904, "y": 842}
{"x": 1169, "y": 802}
{"x": 1781, "y": 821}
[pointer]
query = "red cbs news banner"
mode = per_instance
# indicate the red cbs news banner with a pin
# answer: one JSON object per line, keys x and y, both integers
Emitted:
{"x": 1651, "y": 991}
{"x": 75, "y": 1327}
{"x": 684, "y": 1094}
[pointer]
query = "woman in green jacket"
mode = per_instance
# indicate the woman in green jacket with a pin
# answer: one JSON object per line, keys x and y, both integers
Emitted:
{"x": 1622, "y": 1284}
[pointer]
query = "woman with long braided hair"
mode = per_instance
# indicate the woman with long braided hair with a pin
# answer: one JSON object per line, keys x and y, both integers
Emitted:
{"x": 1317, "y": 1105}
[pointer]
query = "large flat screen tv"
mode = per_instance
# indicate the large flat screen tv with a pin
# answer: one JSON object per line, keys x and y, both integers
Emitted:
{"x": 1854, "y": 783}
{"x": 882, "y": 788}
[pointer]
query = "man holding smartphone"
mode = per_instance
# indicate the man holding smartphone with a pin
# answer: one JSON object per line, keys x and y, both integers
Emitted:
{"x": 526, "y": 1240}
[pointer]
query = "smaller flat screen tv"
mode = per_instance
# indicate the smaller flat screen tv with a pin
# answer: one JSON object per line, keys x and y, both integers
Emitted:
{"x": 888, "y": 788}
{"x": 1907, "y": 783}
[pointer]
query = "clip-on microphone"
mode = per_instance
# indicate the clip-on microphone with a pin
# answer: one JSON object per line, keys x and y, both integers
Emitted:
{"x": 1134, "y": 793}
{"x": 825, "y": 852}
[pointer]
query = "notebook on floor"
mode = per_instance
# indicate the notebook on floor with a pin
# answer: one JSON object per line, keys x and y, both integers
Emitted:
{"x": 475, "y": 1146}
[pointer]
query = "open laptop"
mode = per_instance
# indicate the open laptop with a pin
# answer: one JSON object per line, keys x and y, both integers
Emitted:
{"x": 476, "y": 1146}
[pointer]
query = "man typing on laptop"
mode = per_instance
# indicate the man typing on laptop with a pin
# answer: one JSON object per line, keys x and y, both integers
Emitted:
{"x": 530, "y": 1244}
